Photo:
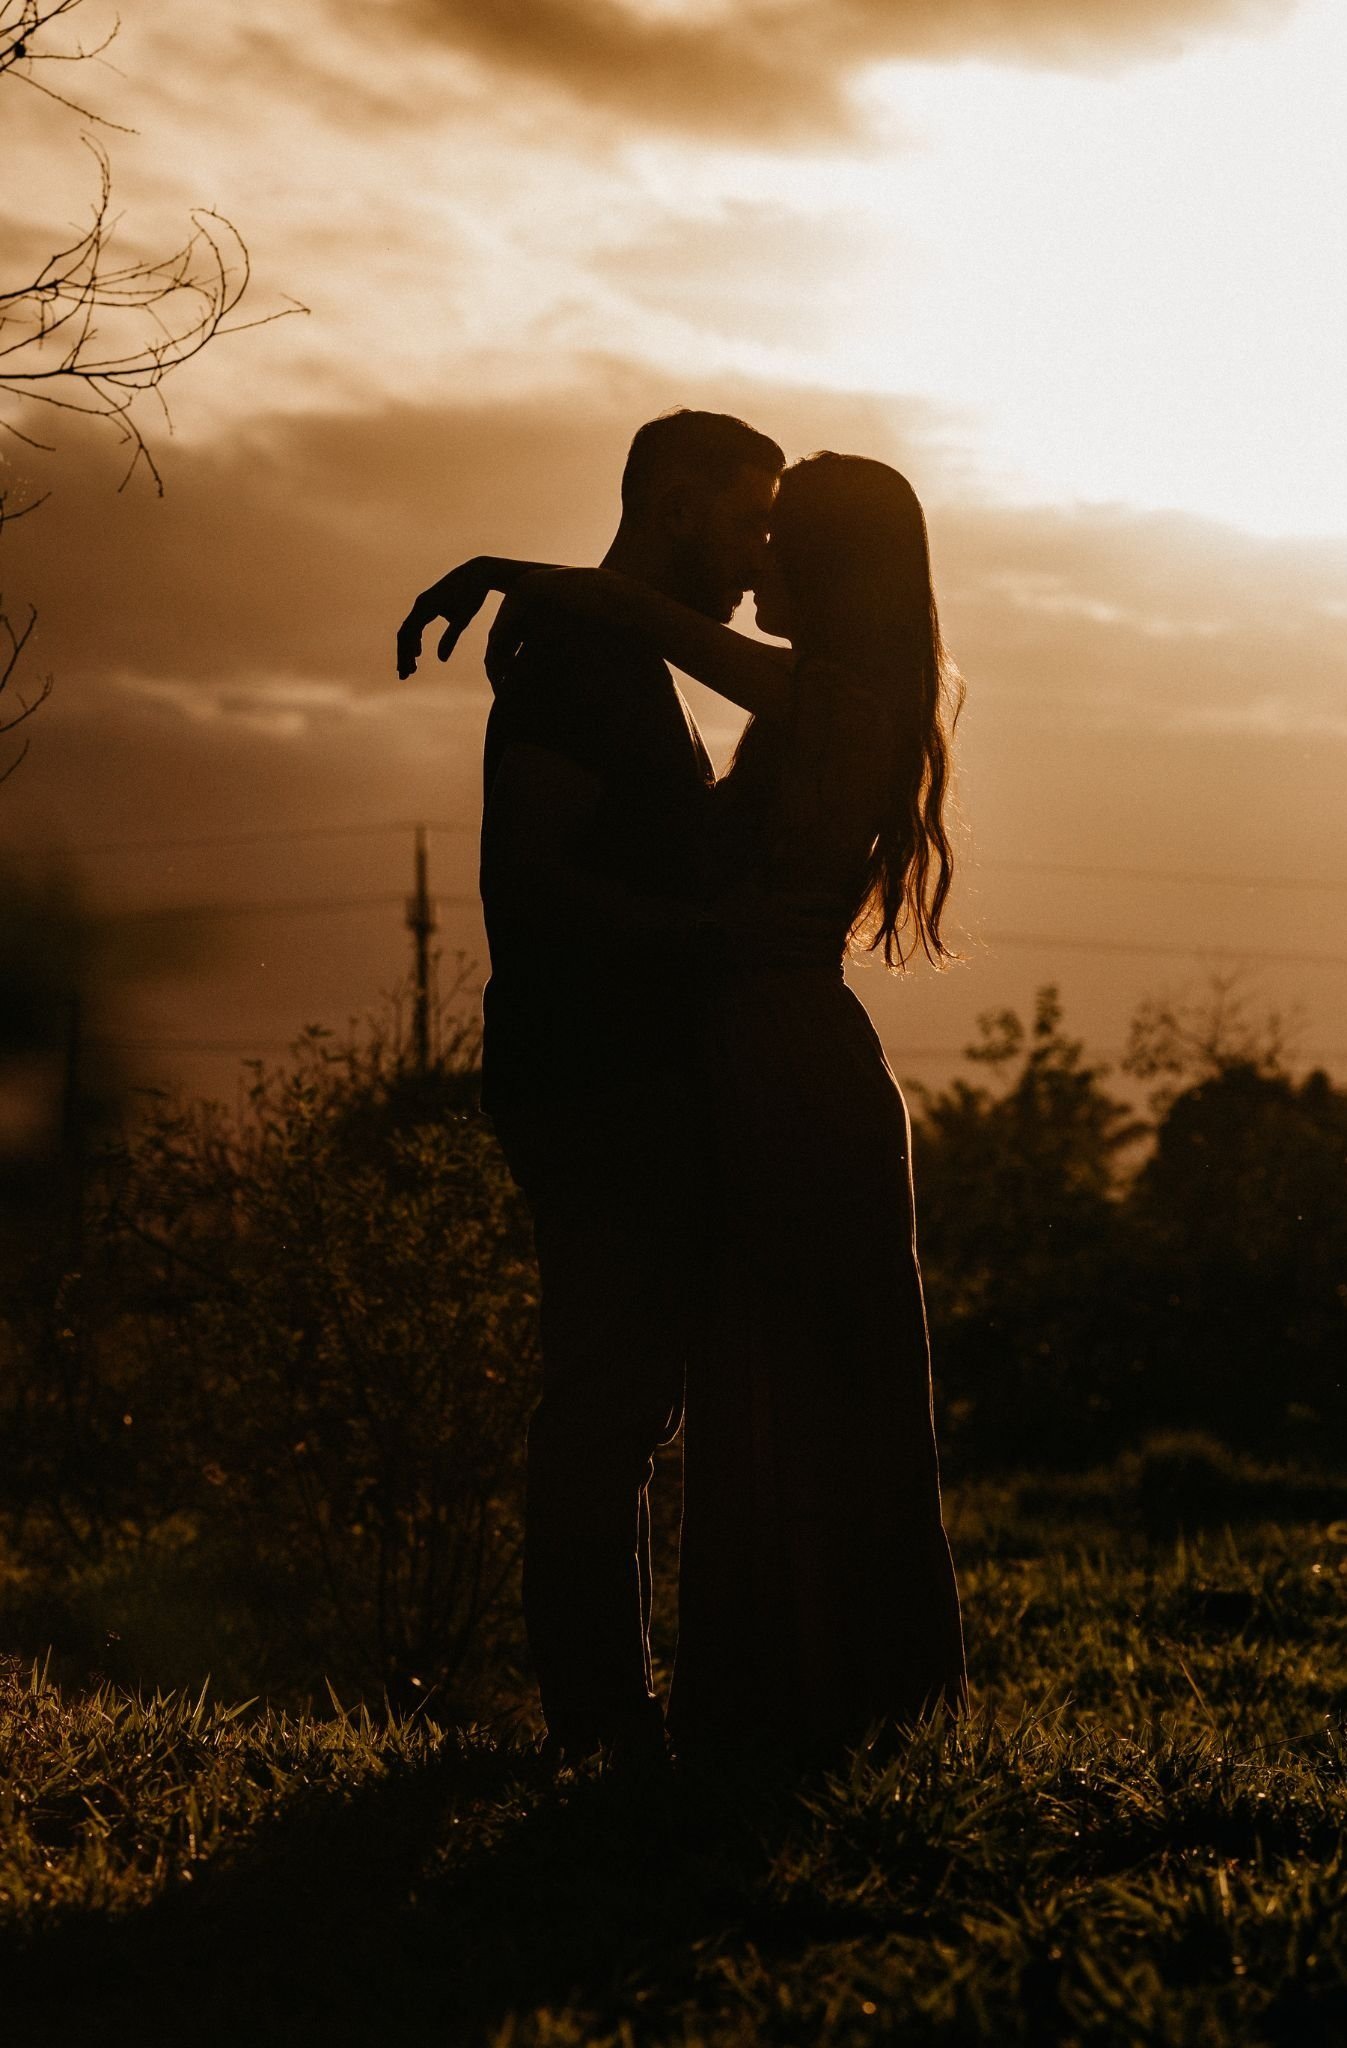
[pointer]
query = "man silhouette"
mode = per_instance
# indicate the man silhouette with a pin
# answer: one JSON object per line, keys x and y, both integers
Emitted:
{"x": 593, "y": 877}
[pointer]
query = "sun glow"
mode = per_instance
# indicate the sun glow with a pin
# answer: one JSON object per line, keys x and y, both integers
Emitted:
{"x": 1136, "y": 284}
{"x": 1119, "y": 286}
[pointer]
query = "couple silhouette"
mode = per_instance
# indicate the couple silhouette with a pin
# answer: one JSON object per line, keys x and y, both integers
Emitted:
{"x": 715, "y": 1153}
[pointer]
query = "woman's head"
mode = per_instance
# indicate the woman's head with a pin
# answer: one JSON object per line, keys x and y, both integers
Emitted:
{"x": 847, "y": 549}
{"x": 847, "y": 577}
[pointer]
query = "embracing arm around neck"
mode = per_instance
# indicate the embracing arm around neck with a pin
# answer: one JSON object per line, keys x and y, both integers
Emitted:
{"x": 749, "y": 673}
{"x": 456, "y": 599}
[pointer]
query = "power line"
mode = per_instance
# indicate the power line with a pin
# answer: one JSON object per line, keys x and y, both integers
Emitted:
{"x": 1182, "y": 875}
{"x": 282, "y": 835}
{"x": 301, "y": 907}
{"x": 1050, "y": 942}
{"x": 1035, "y": 941}
{"x": 1028, "y": 940}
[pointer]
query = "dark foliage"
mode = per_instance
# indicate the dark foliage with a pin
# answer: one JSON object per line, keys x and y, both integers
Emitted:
{"x": 1094, "y": 1276}
{"x": 1242, "y": 1208}
{"x": 281, "y": 1411}
{"x": 1021, "y": 1238}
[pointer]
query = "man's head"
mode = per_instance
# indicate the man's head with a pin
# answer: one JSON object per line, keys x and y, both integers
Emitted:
{"x": 696, "y": 504}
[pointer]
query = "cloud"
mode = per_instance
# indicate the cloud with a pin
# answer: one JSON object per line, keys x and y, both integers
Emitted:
{"x": 747, "y": 272}
{"x": 1103, "y": 614}
{"x": 776, "y": 69}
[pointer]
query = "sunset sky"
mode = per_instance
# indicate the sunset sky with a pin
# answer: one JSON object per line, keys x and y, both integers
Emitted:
{"x": 1077, "y": 268}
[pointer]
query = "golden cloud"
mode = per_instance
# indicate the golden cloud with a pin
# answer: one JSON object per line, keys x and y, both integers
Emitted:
{"x": 771, "y": 70}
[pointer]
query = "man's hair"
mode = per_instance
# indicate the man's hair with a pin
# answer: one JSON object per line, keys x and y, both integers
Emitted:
{"x": 710, "y": 447}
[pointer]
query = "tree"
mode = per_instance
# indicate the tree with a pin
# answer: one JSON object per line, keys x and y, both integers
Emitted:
{"x": 85, "y": 332}
{"x": 1088, "y": 1288}
{"x": 1174, "y": 1044}
{"x": 1018, "y": 1201}
{"x": 1241, "y": 1211}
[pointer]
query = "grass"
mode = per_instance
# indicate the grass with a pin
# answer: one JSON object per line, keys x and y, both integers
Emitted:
{"x": 1137, "y": 1837}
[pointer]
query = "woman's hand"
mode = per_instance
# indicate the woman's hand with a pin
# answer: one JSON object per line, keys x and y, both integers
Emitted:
{"x": 456, "y": 598}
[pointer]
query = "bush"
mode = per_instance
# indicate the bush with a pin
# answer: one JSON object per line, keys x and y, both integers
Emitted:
{"x": 306, "y": 1340}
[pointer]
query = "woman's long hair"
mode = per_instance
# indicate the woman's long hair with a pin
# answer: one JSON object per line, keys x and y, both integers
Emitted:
{"x": 850, "y": 538}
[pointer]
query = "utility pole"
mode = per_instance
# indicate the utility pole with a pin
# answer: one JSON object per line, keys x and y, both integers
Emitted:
{"x": 421, "y": 924}
{"x": 72, "y": 1142}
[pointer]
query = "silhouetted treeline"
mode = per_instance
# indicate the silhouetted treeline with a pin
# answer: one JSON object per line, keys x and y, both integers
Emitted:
{"x": 264, "y": 1378}
{"x": 1096, "y": 1274}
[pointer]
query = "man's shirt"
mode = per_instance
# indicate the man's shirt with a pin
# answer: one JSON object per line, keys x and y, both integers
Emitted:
{"x": 570, "y": 1011}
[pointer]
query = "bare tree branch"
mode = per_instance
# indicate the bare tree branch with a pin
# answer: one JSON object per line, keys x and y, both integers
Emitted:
{"x": 92, "y": 335}
{"x": 162, "y": 312}
{"x": 8, "y": 664}
{"x": 22, "y": 23}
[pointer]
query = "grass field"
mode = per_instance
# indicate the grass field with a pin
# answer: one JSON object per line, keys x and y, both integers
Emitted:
{"x": 1137, "y": 1837}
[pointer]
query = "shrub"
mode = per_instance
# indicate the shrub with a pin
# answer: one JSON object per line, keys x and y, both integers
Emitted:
{"x": 309, "y": 1339}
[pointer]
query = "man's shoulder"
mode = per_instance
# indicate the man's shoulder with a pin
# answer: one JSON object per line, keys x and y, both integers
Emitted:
{"x": 559, "y": 640}
{"x": 575, "y": 688}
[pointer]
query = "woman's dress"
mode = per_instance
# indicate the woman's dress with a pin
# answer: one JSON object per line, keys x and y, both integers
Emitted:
{"x": 817, "y": 1592}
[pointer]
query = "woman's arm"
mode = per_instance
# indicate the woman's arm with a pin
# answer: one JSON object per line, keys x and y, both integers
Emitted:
{"x": 757, "y": 677}
{"x": 457, "y": 598}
